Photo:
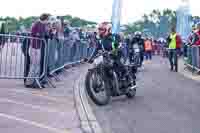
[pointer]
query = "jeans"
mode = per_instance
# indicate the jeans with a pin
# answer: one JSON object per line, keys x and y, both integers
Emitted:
{"x": 27, "y": 61}
{"x": 73, "y": 53}
{"x": 35, "y": 69}
{"x": 173, "y": 59}
{"x": 194, "y": 56}
{"x": 185, "y": 50}
{"x": 130, "y": 55}
{"x": 141, "y": 58}
{"x": 148, "y": 55}
{"x": 89, "y": 51}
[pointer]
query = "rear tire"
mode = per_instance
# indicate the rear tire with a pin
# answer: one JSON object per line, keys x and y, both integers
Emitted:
{"x": 97, "y": 101}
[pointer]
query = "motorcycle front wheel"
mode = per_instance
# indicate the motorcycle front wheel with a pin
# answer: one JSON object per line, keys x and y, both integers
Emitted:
{"x": 95, "y": 86}
{"x": 132, "y": 91}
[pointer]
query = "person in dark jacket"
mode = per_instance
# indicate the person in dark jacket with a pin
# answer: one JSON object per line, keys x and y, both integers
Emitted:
{"x": 137, "y": 39}
{"x": 2, "y": 37}
{"x": 110, "y": 42}
{"x": 39, "y": 30}
{"x": 25, "y": 50}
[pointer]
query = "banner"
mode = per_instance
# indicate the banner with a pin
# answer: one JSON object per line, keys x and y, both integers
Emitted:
{"x": 116, "y": 15}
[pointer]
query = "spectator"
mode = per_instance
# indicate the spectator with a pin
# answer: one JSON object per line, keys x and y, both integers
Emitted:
{"x": 81, "y": 34}
{"x": 158, "y": 47}
{"x": 154, "y": 47}
{"x": 39, "y": 30}
{"x": 66, "y": 29}
{"x": 2, "y": 38}
{"x": 74, "y": 37}
{"x": 195, "y": 50}
{"x": 60, "y": 44}
{"x": 196, "y": 36}
{"x": 92, "y": 44}
{"x": 148, "y": 48}
{"x": 25, "y": 50}
{"x": 191, "y": 35}
{"x": 174, "y": 41}
{"x": 165, "y": 46}
{"x": 52, "y": 47}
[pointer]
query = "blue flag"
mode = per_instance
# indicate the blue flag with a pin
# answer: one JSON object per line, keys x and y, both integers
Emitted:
{"x": 116, "y": 16}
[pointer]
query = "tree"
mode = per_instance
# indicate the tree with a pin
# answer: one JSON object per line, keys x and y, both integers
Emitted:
{"x": 157, "y": 23}
{"x": 14, "y": 24}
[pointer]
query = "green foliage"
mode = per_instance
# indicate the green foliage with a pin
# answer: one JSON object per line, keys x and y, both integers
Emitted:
{"x": 13, "y": 24}
{"x": 157, "y": 23}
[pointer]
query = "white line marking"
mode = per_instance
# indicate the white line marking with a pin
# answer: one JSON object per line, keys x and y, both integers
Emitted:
{"x": 39, "y": 94}
{"x": 32, "y": 123}
{"x": 32, "y": 106}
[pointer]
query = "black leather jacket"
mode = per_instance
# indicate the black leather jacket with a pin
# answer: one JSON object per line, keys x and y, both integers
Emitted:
{"x": 140, "y": 42}
{"x": 106, "y": 44}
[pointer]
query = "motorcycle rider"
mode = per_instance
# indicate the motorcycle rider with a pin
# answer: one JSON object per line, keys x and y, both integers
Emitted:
{"x": 110, "y": 43}
{"x": 137, "y": 39}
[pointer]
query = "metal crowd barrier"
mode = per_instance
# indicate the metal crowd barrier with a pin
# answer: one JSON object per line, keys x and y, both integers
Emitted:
{"x": 22, "y": 57}
{"x": 65, "y": 52}
{"x": 192, "y": 57}
{"x": 34, "y": 59}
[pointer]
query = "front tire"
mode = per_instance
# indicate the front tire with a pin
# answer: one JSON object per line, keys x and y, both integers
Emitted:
{"x": 131, "y": 92}
{"x": 91, "y": 92}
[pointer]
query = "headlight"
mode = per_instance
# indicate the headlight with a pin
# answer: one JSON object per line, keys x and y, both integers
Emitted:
{"x": 98, "y": 60}
{"x": 137, "y": 50}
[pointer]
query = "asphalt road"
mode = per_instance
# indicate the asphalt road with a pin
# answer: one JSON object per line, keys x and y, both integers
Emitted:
{"x": 50, "y": 110}
{"x": 166, "y": 102}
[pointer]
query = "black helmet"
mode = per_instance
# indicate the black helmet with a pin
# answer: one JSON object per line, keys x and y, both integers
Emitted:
{"x": 138, "y": 34}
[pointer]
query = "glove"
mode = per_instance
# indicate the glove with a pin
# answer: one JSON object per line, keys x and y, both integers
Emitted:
{"x": 85, "y": 60}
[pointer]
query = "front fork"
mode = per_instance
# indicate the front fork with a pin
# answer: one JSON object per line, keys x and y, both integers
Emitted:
{"x": 113, "y": 79}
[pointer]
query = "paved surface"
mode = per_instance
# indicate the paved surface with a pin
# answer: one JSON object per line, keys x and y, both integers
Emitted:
{"x": 50, "y": 110}
{"x": 187, "y": 72}
{"x": 166, "y": 102}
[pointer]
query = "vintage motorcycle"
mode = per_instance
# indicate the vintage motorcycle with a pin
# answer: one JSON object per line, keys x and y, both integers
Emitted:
{"x": 103, "y": 81}
{"x": 134, "y": 55}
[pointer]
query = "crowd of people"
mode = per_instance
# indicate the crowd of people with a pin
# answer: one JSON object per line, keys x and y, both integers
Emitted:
{"x": 49, "y": 27}
{"x": 52, "y": 33}
{"x": 191, "y": 47}
{"x": 54, "y": 30}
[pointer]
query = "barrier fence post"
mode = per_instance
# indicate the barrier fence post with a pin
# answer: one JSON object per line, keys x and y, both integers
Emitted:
{"x": 198, "y": 59}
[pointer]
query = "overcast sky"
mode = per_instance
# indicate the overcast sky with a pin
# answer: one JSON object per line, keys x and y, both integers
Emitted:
{"x": 96, "y": 10}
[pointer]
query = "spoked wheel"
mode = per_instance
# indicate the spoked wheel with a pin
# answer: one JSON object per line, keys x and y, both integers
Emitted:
{"x": 132, "y": 91}
{"x": 123, "y": 60}
{"x": 97, "y": 88}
